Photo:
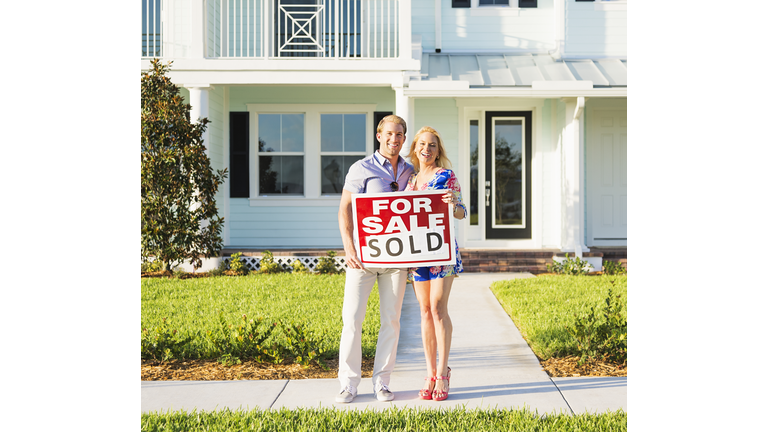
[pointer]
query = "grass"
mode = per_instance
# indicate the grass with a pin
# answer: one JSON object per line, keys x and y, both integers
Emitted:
{"x": 543, "y": 306}
{"x": 392, "y": 419}
{"x": 191, "y": 306}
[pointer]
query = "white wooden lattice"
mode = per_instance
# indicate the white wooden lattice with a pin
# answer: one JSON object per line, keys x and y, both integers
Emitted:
{"x": 254, "y": 263}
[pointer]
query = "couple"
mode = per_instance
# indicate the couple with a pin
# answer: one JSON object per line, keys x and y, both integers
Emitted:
{"x": 386, "y": 171}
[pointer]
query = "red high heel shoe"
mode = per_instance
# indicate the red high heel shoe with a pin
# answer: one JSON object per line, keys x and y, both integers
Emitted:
{"x": 440, "y": 395}
{"x": 426, "y": 394}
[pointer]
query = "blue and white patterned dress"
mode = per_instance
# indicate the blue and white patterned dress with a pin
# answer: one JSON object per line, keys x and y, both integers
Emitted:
{"x": 443, "y": 179}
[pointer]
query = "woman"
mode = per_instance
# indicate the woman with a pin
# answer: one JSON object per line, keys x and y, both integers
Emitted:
{"x": 433, "y": 284}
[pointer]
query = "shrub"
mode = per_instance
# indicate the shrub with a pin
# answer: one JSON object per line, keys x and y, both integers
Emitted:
{"x": 299, "y": 267}
{"x": 152, "y": 266}
{"x": 231, "y": 342}
{"x": 162, "y": 343}
{"x": 179, "y": 219}
{"x": 327, "y": 264}
{"x": 613, "y": 268}
{"x": 237, "y": 266}
{"x": 570, "y": 266}
{"x": 303, "y": 345}
{"x": 602, "y": 337}
{"x": 268, "y": 264}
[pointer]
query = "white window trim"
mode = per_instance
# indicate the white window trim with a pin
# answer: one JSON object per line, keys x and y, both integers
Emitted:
{"x": 312, "y": 174}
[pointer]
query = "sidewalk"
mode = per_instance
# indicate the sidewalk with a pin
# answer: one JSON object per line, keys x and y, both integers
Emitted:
{"x": 491, "y": 364}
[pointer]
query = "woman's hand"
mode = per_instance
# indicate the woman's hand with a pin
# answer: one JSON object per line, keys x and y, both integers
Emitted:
{"x": 450, "y": 198}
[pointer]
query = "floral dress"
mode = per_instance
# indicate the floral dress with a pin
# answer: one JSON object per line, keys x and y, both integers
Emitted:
{"x": 443, "y": 179}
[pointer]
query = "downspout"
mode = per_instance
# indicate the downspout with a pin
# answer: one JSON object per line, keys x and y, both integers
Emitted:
{"x": 438, "y": 26}
{"x": 559, "y": 27}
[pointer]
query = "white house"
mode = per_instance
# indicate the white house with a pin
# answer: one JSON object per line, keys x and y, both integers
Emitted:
{"x": 530, "y": 97}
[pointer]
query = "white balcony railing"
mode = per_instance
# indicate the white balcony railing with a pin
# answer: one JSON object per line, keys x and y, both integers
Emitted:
{"x": 302, "y": 28}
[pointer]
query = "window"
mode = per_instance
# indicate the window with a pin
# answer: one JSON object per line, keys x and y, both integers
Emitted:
{"x": 342, "y": 143}
{"x": 473, "y": 171}
{"x": 493, "y": 2}
{"x": 281, "y": 154}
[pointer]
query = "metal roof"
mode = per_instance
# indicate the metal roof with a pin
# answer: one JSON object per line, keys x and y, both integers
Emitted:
{"x": 505, "y": 70}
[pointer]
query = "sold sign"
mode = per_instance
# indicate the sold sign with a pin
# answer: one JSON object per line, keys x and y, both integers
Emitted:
{"x": 403, "y": 229}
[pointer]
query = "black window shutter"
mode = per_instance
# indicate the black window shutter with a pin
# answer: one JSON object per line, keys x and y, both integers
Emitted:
{"x": 377, "y": 116}
{"x": 239, "y": 182}
{"x": 527, "y": 3}
{"x": 461, "y": 3}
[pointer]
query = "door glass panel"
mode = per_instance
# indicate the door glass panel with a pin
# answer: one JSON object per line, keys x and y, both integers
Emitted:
{"x": 508, "y": 198}
{"x": 473, "y": 171}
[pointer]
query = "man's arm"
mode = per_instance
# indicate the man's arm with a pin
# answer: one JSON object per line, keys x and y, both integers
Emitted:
{"x": 346, "y": 226}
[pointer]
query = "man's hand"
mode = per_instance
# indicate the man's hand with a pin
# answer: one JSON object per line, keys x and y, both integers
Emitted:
{"x": 345, "y": 227}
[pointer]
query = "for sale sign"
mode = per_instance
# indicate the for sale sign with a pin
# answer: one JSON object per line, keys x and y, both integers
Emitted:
{"x": 403, "y": 229}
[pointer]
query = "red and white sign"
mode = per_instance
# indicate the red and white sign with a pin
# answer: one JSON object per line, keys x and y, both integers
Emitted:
{"x": 403, "y": 229}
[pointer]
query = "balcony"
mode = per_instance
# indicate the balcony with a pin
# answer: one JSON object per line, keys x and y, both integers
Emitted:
{"x": 276, "y": 29}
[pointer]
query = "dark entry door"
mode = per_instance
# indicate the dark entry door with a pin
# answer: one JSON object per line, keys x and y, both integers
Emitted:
{"x": 508, "y": 148}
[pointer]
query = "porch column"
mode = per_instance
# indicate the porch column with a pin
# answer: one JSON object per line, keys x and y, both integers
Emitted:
{"x": 404, "y": 109}
{"x": 198, "y": 100}
{"x": 573, "y": 178}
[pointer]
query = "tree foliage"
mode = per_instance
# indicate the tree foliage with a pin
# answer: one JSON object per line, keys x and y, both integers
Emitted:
{"x": 179, "y": 219}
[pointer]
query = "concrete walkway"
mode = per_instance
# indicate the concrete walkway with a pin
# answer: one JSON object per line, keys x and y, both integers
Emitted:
{"x": 491, "y": 364}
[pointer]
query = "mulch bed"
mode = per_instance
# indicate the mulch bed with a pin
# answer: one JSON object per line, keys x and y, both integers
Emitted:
{"x": 211, "y": 370}
{"x": 569, "y": 367}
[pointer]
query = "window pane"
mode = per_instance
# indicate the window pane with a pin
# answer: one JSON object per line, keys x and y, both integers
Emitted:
{"x": 508, "y": 172}
{"x": 334, "y": 170}
{"x": 354, "y": 132}
{"x": 331, "y": 138}
{"x": 494, "y": 2}
{"x": 269, "y": 132}
{"x": 281, "y": 175}
{"x": 473, "y": 173}
{"x": 293, "y": 132}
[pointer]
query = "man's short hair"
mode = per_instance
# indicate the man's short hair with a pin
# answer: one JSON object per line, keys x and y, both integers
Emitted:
{"x": 393, "y": 119}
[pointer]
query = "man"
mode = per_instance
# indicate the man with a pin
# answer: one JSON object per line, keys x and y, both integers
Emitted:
{"x": 383, "y": 171}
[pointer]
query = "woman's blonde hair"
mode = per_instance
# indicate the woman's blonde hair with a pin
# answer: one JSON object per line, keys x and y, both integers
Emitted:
{"x": 442, "y": 160}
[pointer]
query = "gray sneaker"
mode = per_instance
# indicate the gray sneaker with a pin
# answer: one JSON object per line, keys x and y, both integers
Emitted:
{"x": 346, "y": 395}
{"x": 383, "y": 394}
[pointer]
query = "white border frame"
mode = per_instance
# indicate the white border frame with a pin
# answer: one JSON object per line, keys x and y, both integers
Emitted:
{"x": 493, "y": 181}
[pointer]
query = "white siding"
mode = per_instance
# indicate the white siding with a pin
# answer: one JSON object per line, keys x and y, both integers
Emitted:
{"x": 590, "y": 32}
{"x": 443, "y": 116}
{"x": 216, "y": 140}
{"x": 283, "y": 227}
{"x": 469, "y": 29}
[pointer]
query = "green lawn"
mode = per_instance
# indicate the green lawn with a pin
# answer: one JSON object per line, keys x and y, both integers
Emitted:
{"x": 191, "y": 306}
{"x": 394, "y": 419}
{"x": 543, "y": 306}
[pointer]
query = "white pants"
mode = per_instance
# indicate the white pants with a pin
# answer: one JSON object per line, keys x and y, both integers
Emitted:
{"x": 358, "y": 287}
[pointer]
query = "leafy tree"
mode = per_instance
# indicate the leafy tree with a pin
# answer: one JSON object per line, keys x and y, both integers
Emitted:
{"x": 179, "y": 218}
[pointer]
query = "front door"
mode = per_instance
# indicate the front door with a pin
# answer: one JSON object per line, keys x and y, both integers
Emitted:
{"x": 607, "y": 178}
{"x": 508, "y": 147}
